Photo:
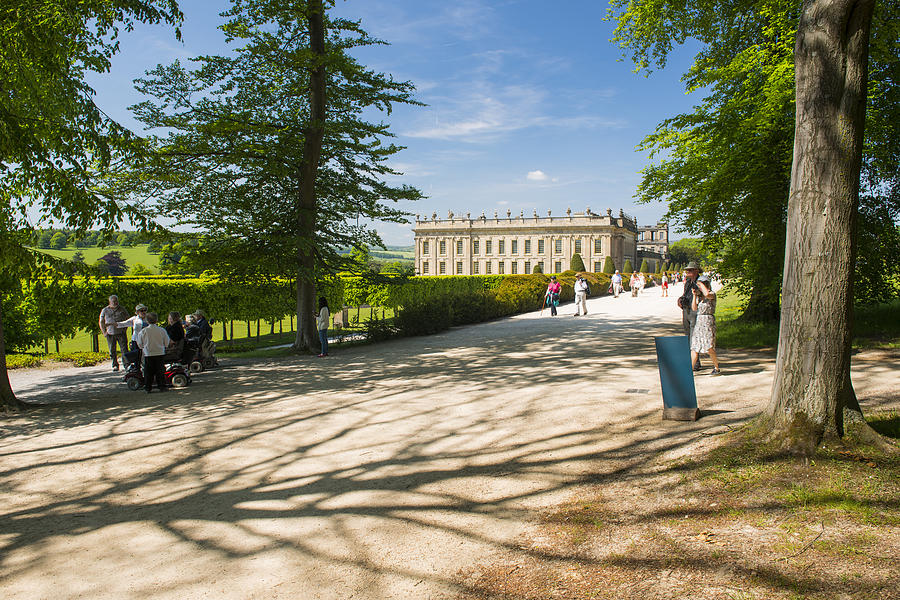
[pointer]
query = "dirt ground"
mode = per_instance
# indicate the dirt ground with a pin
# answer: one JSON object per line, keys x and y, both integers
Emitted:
{"x": 383, "y": 471}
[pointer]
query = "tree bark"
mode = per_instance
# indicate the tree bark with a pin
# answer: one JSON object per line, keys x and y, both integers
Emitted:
{"x": 812, "y": 395}
{"x": 307, "y": 338}
{"x": 8, "y": 399}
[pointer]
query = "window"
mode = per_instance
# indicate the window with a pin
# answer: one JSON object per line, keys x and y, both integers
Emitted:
{"x": 514, "y": 246}
{"x": 501, "y": 246}
{"x": 425, "y": 267}
{"x": 443, "y": 247}
{"x": 459, "y": 267}
{"x": 475, "y": 247}
{"x": 475, "y": 268}
{"x": 443, "y": 268}
{"x": 577, "y": 246}
{"x": 515, "y": 267}
{"x": 557, "y": 247}
{"x": 527, "y": 266}
{"x": 540, "y": 246}
{"x": 501, "y": 268}
{"x": 424, "y": 247}
{"x": 487, "y": 246}
{"x": 558, "y": 267}
{"x": 597, "y": 247}
{"x": 487, "y": 268}
{"x": 597, "y": 266}
{"x": 527, "y": 246}
{"x": 459, "y": 246}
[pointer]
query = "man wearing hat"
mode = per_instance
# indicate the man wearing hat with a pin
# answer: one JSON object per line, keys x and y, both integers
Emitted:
{"x": 581, "y": 288}
{"x": 688, "y": 316}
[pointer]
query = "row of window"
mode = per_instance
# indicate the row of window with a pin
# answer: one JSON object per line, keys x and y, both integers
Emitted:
{"x": 501, "y": 247}
{"x": 501, "y": 266}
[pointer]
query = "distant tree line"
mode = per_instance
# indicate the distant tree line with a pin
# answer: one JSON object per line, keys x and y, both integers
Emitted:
{"x": 62, "y": 238}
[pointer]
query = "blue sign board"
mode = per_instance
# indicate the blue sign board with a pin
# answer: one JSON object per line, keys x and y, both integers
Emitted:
{"x": 676, "y": 375}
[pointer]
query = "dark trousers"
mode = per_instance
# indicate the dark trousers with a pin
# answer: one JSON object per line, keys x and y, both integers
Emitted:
{"x": 111, "y": 341}
{"x": 154, "y": 368}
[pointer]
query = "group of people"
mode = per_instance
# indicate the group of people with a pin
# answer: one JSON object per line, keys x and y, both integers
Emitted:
{"x": 152, "y": 344}
{"x": 697, "y": 302}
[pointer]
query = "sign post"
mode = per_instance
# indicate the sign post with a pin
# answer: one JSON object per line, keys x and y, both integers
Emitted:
{"x": 676, "y": 375}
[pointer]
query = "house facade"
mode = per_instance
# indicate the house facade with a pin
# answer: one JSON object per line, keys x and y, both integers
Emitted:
{"x": 513, "y": 245}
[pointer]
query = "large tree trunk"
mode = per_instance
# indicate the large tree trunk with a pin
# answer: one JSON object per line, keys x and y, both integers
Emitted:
{"x": 812, "y": 396}
{"x": 307, "y": 338}
{"x": 8, "y": 400}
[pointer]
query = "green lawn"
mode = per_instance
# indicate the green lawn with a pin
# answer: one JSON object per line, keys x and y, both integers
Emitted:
{"x": 132, "y": 255}
{"x": 873, "y": 326}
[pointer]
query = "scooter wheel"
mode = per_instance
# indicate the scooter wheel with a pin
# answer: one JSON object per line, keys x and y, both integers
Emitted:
{"x": 195, "y": 367}
{"x": 179, "y": 380}
{"x": 134, "y": 383}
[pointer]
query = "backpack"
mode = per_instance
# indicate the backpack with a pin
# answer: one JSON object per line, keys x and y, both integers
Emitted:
{"x": 587, "y": 288}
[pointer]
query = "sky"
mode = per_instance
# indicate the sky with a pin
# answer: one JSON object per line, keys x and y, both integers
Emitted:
{"x": 529, "y": 105}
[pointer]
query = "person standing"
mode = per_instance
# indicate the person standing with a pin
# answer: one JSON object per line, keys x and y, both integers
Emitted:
{"x": 686, "y": 301}
{"x": 109, "y": 325}
{"x": 616, "y": 282}
{"x": 581, "y": 287}
{"x": 153, "y": 342}
{"x": 552, "y": 295}
{"x": 665, "y": 285}
{"x": 642, "y": 282}
{"x": 322, "y": 325}
{"x": 137, "y": 322}
{"x": 703, "y": 337}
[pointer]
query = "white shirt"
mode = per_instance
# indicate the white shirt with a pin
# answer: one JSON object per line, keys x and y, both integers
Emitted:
{"x": 152, "y": 340}
{"x": 135, "y": 322}
{"x": 322, "y": 319}
{"x": 581, "y": 286}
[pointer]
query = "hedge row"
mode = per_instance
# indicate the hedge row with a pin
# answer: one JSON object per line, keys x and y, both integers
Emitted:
{"x": 57, "y": 309}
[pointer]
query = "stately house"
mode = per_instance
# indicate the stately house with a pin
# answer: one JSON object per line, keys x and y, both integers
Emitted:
{"x": 500, "y": 245}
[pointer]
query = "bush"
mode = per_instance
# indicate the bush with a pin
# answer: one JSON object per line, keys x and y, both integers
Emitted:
{"x": 538, "y": 268}
{"x": 81, "y": 359}
{"x": 577, "y": 263}
{"x": 424, "y": 318}
{"x": 609, "y": 267}
{"x": 645, "y": 266}
{"x": 627, "y": 268}
{"x": 22, "y": 361}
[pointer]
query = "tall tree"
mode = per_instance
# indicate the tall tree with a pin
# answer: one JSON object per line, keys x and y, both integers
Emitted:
{"x": 53, "y": 138}
{"x": 812, "y": 397}
{"x": 270, "y": 147}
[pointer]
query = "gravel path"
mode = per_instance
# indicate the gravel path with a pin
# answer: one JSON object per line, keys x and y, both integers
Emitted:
{"x": 379, "y": 472}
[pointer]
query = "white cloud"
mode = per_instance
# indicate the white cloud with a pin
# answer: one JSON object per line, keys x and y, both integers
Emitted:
{"x": 536, "y": 176}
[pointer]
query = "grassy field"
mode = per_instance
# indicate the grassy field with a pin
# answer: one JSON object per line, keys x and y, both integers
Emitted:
{"x": 873, "y": 326}
{"x": 132, "y": 256}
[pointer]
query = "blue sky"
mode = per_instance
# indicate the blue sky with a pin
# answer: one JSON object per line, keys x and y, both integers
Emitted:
{"x": 530, "y": 107}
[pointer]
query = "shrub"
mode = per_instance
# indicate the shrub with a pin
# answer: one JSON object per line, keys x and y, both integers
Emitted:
{"x": 424, "y": 317}
{"x": 609, "y": 267}
{"x": 645, "y": 266}
{"x": 82, "y": 359}
{"x": 577, "y": 263}
{"x": 22, "y": 361}
{"x": 627, "y": 268}
{"x": 538, "y": 268}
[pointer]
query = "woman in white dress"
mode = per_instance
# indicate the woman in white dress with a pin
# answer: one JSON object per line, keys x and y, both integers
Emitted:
{"x": 703, "y": 336}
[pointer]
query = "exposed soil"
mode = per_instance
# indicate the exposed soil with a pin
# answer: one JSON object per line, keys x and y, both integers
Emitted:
{"x": 429, "y": 467}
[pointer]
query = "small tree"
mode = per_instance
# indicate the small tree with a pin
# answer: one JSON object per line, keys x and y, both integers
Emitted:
{"x": 78, "y": 257}
{"x": 538, "y": 268}
{"x": 58, "y": 241}
{"x": 114, "y": 262}
{"x": 576, "y": 264}
{"x": 627, "y": 268}
{"x": 609, "y": 267}
{"x": 140, "y": 270}
{"x": 645, "y": 266}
